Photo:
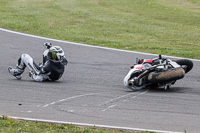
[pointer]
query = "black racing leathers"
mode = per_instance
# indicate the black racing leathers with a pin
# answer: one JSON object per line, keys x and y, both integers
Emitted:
{"x": 55, "y": 70}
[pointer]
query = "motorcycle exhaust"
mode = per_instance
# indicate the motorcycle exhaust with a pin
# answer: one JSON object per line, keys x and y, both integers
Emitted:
{"x": 131, "y": 83}
{"x": 167, "y": 76}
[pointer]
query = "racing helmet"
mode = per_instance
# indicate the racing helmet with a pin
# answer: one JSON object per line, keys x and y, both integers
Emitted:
{"x": 56, "y": 54}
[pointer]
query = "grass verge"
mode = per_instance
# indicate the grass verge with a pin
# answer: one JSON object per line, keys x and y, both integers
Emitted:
{"x": 10, "y": 125}
{"x": 169, "y": 27}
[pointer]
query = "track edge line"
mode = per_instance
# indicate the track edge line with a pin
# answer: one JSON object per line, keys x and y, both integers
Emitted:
{"x": 90, "y": 125}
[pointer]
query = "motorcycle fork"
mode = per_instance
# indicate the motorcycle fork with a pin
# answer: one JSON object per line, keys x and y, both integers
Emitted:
{"x": 142, "y": 78}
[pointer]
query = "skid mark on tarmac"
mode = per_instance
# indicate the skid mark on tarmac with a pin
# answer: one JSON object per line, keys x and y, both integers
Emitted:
{"x": 109, "y": 107}
{"x": 62, "y": 100}
{"x": 107, "y": 104}
{"x": 69, "y": 98}
{"x": 118, "y": 98}
{"x": 114, "y": 100}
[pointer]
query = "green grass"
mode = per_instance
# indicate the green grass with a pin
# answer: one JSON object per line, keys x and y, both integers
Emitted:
{"x": 11, "y": 125}
{"x": 169, "y": 27}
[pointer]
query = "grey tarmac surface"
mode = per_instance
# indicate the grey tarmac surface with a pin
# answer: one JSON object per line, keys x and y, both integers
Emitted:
{"x": 91, "y": 90}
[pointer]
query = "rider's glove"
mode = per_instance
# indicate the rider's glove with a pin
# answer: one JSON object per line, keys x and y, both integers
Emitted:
{"x": 48, "y": 45}
{"x": 40, "y": 65}
{"x": 31, "y": 74}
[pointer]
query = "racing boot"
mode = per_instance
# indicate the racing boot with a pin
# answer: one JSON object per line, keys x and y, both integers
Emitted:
{"x": 17, "y": 72}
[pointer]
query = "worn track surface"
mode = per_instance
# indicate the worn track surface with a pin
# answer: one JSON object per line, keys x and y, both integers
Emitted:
{"x": 91, "y": 90}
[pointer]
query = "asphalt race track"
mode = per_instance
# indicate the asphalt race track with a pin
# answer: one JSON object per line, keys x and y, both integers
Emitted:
{"x": 91, "y": 90}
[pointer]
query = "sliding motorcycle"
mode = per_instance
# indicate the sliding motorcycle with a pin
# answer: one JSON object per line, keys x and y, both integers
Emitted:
{"x": 156, "y": 73}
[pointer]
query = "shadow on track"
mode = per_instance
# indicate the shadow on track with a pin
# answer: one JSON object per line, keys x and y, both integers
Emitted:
{"x": 171, "y": 90}
{"x": 32, "y": 81}
{"x": 162, "y": 90}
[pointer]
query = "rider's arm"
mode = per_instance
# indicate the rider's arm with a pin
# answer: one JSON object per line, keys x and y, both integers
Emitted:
{"x": 45, "y": 58}
{"x": 64, "y": 61}
{"x": 48, "y": 45}
{"x": 44, "y": 73}
{"x": 46, "y": 68}
{"x": 40, "y": 78}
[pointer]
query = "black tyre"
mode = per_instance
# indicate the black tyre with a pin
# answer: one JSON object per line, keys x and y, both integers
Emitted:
{"x": 187, "y": 64}
{"x": 167, "y": 76}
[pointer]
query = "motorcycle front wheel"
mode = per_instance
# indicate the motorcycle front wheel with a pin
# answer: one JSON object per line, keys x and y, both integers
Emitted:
{"x": 186, "y": 64}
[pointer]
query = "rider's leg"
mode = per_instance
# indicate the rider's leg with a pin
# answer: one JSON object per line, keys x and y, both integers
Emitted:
{"x": 24, "y": 61}
{"x": 27, "y": 61}
{"x": 17, "y": 72}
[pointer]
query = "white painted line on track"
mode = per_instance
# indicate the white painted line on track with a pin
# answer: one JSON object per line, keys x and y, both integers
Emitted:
{"x": 91, "y": 125}
{"x": 86, "y": 45}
